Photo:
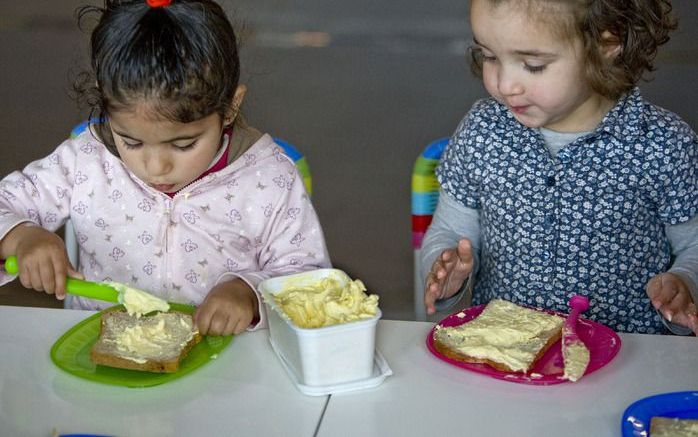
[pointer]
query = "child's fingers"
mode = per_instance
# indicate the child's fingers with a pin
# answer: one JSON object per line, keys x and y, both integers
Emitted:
{"x": 240, "y": 326}
{"x": 693, "y": 318}
{"x": 218, "y": 324}
{"x": 674, "y": 297}
{"x": 688, "y": 317}
{"x": 434, "y": 288}
{"x": 660, "y": 291}
{"x": 25, "y": 274}
{"x": 465, "y": 252}
{"x": 677, "y": 305}
{"x": 436, "y": 279}
{"x": 202, "y": 319}
{"x": 36, "y": 278}
{"x": 60, "y": 272}
{"x": 74, "y": 273}
{"x": 431, "y": 294}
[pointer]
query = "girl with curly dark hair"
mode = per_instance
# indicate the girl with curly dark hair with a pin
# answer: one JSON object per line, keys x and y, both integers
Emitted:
{"x": 567, "y": 181}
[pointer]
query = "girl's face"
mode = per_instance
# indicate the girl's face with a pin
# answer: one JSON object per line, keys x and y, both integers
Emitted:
{"x": 166, "y": 155}
{"x": 537, "y": 74}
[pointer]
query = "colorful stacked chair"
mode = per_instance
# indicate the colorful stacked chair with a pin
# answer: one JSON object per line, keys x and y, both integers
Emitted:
{"x": 425, "y": 196}
{"x": 300, "y": 161}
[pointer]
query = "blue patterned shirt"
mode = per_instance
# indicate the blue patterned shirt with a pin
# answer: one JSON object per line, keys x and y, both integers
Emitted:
{"x": 589, "y": 221}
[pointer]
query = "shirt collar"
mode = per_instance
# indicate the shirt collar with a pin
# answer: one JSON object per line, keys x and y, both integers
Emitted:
{"x": 624, "y": 120}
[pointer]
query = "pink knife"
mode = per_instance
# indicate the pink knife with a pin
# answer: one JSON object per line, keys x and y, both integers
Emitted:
{"x": 575, "y": 354}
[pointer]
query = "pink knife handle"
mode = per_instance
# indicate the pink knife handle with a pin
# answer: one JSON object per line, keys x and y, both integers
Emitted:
{"x": 578, "y": 305}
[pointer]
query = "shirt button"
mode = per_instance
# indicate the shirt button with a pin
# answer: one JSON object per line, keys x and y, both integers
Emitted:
{"x": 546, "y": 255}
{"x": 550, "y": 181}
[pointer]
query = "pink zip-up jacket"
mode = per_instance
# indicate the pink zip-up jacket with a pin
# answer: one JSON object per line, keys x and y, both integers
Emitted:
{"x": 251, "y": 220}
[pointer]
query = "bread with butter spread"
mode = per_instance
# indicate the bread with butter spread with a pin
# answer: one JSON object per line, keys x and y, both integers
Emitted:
{"x": 155, "y": 343}
{"x": 673, "y": 427}
{"x": 505, "y": 336}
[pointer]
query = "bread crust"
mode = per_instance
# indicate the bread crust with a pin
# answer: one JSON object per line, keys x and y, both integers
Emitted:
{"x": 445, "y": 350}
{"x": 104, "y": 354}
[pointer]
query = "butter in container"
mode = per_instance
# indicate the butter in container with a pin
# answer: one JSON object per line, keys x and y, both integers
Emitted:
{"x": 322, "y": 325}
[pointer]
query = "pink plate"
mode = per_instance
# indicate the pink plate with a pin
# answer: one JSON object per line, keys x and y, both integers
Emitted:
{"x": 603, "y": 344}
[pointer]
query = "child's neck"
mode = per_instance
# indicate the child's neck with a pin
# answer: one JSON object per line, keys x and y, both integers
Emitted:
{"x": 586, "y": 117}
{"x": 219, "y": 161}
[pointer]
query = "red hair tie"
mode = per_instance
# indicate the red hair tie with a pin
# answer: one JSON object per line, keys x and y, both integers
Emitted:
{"x": 158, "y": 3}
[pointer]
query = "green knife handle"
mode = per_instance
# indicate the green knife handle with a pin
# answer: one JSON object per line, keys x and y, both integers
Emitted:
{"x": 78, "y": 287}
{"x": 91, "y": 290}
{"x": 11, "y": 265}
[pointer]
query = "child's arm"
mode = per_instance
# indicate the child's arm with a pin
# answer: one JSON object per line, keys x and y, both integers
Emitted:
{"x": 449, "y": 253}
{"x": 675, "y": 294}
{"x": 35, "y": 202}
{"x": 293, "y": 242}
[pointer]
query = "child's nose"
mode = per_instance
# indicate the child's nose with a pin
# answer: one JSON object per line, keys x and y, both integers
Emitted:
{"x": 508, "y": 83}
{"x": 158, "y": 163}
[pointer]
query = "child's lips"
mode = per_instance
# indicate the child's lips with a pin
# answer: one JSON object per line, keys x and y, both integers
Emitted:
{"x": 519, "y": 109}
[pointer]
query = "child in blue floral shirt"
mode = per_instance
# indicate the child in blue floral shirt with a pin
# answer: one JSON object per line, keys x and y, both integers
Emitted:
{"x": 567, "y": 181}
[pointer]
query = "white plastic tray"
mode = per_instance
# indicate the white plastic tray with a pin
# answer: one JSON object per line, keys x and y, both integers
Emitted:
{"x": 381, "y": 370}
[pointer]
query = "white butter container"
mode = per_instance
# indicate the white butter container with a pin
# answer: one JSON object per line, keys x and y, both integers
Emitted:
{"x": 325, "y": 356}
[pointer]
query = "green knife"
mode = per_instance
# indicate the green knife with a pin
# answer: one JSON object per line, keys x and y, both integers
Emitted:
{"x": 78, "y": 287}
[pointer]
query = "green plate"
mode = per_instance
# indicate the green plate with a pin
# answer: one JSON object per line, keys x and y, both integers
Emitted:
{"x": 71, "y": 353}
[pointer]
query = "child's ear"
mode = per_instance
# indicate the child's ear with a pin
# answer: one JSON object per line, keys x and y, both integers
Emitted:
{"x": 610, "y": 45}
{"x": 238, "y": 98}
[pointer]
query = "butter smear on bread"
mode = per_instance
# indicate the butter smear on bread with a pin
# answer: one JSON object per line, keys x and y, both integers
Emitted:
{"x": 137, "y": 301}
{"x": 154, "y": 338}
{"x": 503, "y": 334}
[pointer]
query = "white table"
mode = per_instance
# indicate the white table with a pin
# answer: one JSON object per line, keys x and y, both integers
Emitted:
{"x": 244, "y": 392}
{"x": 428, "y": 397}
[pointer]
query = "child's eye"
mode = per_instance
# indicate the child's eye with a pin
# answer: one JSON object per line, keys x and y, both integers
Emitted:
{"x": 132, "y": 145}
{"x": 185, "y": 146}
{"x": 480, "y": 56}
{"x": 534, "y": 68}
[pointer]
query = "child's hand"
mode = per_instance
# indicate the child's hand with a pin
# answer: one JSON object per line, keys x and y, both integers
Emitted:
{"x": 41, "y": 257}
{"x": 671, "y": 297}
{"x": 229, "y": 308}
{"x": 448, "y": 273}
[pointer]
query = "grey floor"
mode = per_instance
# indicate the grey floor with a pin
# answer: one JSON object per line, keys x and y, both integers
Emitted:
{"x": 360, "y": 87}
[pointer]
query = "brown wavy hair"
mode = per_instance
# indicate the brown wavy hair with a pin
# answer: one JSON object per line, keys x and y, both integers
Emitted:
{"x": 639, "y": 26}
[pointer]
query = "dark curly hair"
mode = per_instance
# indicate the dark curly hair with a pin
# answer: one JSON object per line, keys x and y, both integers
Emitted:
{"x": 640, "y": 27}
{"x": 181, "y": 59}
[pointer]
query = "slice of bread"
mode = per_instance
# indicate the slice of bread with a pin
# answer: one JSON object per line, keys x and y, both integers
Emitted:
{"x": 156, "y": 343}
{"x": 506, "y": 336}
{"x": 672, "y": 427}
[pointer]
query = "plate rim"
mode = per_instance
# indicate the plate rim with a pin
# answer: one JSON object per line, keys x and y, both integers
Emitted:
{"x": 627, "y": 428}
{"x": 156, "y": 379}
{"x": 501, "y": 375}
